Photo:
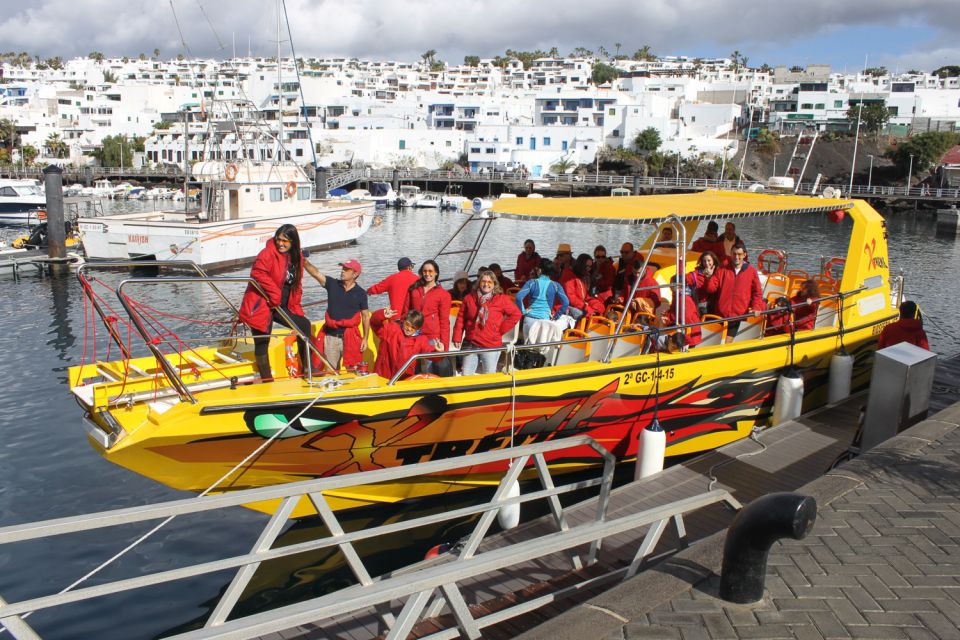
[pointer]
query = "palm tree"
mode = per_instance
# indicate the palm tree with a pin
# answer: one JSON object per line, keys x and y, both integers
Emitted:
{"x": 562, "y": 166}
{"x": 56, "y": 147}
{"x": 736, "y": 60}
{"x": 617, "y": 45}
{"x": 9, "y": 138}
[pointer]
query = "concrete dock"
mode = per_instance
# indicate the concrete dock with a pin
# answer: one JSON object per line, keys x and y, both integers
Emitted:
{"x": 883, "y": 561}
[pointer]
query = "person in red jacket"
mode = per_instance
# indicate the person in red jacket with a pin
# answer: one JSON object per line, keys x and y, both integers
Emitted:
{"x": 505, "y": 282}
{"x": 697, "y": 281}
{"x": 804, "y": 307}
{"x": 526, "y": 261}
{"x": 603, "y": 274}
{"x": 690, "y": 317}
{"x": 399, "y": 341}
{"x": 278, "y": 269}
{"x": 433, "y": 301}
{"x": 396, "y": 285}
{"x": 909, "y": 328}
{"x": 737, "y": 289}
{"x": 710, "y": 241}
{"x": 486, "y": 315}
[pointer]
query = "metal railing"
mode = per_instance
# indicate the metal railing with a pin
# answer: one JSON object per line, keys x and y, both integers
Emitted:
{"x": 618, "y": 334}
{"x": 176, "y": 382}
{"x": 417, "y": 587}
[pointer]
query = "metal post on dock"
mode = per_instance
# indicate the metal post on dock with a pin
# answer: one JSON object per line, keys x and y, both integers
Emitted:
{"x": 320, "y": 181}
{"x": 396, "y": 181}
{"x": 636, "y": 185}
{"x": 56, "y": 230}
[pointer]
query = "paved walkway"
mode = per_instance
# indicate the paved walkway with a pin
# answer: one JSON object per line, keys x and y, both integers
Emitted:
{"x": 882, "y": 561}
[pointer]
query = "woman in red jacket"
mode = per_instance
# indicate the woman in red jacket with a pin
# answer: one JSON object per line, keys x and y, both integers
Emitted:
{"x": 486, "y": 315}
{"x": 433, "y": 301}
{"x": 278, "y": 269}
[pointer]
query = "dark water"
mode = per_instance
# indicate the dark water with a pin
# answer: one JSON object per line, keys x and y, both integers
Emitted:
{"x": 48, "y": 470}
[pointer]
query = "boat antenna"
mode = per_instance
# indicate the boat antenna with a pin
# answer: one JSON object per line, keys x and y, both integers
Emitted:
{"x": 214, "y": 31}
{"x": 176, "y": 21}
{"x": 303, "y": 100}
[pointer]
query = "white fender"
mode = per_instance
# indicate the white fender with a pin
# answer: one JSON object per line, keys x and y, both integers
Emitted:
{"x": 509, "y": 515}
{"x": 789, "y": 399}
{"x": 841, "y": 371}
{"x": 650, "y": 450}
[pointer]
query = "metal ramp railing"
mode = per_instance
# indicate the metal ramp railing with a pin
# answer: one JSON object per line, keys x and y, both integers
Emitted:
{"x": 337, "y": 180}
{"x": 417, "y": 588}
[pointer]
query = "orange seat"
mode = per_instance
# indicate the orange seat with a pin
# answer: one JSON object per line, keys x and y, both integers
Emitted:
{"x": 776, "y": 283}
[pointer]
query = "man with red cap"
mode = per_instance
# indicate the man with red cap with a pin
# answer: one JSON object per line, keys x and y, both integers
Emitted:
{"x": 396, "y": 285}
{"x": 346, "y": 310}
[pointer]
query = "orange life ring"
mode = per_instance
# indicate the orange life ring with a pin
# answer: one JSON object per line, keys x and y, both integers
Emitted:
{"x": 770, "y": 255}
{"x": 832, "y": 264}
{"x": 291, "y": 189}
{"x": 230, "y": 173}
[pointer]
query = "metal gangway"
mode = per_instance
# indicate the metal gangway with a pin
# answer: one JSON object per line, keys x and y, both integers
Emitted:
{"x": 400, "y": 599}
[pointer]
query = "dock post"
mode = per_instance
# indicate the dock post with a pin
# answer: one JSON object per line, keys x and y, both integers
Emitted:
{"x": 56, "y": 230}
{"x": 396, "y": 181}
{"x": 948, "y": 220}
{"x": 320, "y": 181}
{"x": 752, "y": 533}
{"x": 636, "y": 185}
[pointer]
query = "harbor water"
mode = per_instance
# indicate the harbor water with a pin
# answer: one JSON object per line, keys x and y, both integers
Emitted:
{"x": 48, "y": 469}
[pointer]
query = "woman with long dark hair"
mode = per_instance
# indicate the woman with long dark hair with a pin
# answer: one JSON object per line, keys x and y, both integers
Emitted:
{"x": 278, "y": 269}
{"x": 433, "y": 301}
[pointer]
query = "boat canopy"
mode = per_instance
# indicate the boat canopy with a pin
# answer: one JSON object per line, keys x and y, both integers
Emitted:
{"x": 705, "y": 205}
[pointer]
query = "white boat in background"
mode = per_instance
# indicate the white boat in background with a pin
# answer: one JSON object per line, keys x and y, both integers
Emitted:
{"x": 382, "y": 193}
{"x": 428, "y": 200}
{"x": 20, "y": 202}
{"x": 358, "y": 195}
{"x": 241, "y": 205}
{"x": 409, "y": 194}
{"x": 121, "y": 190}
{"x": 453, "y": 197}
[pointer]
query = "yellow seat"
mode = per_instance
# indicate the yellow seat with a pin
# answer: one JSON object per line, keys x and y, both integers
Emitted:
{"x": 826, "y": 314}
{"x": 572, "y": 352}
{"x": 454, "y": 312}
{"x": 629, "y": 345}
{"x": 714, "y": 332}
{"x": 750, "y": 329}
{"x": 777, "y": 283}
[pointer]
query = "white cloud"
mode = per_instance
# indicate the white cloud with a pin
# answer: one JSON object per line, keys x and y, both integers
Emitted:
{"x": 398, "y": 29}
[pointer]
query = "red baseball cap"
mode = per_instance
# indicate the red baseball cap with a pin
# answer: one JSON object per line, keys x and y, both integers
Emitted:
{"x": 352, "y": 264}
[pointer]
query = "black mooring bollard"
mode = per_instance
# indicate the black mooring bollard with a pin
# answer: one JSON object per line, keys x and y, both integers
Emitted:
{"x": 752, "y": 533}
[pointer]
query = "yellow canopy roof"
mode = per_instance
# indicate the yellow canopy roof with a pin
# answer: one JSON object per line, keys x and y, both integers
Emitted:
{"x": 687, "y": 206}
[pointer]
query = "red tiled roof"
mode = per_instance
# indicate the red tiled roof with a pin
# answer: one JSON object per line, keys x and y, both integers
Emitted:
{"x": 952, "y": 156}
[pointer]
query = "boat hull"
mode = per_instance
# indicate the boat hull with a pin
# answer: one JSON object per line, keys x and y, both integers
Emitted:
{"x": 705, "y": 398}
{"x": 217, "y": 245}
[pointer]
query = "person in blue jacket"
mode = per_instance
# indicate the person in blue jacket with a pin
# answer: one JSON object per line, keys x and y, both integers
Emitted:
{"x": 538, "y": 296}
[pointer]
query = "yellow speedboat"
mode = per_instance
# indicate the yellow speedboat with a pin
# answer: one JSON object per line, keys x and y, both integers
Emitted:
{"x": 187, "y": 418}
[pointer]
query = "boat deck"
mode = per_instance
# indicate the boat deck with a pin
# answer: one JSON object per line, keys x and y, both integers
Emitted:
{"x": 782, "y": 458}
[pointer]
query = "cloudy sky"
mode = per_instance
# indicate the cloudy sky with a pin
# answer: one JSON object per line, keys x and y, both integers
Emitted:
{"x": 898, "y": 34}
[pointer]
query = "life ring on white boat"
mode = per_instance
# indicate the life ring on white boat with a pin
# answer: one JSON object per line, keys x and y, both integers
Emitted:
{"x": 771, "y": 256}
{"x": 231, "y": 171}
{"x": 291, "y": 189}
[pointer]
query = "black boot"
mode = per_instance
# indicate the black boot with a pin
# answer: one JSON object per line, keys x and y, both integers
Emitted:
{"x": 263, "y": 365}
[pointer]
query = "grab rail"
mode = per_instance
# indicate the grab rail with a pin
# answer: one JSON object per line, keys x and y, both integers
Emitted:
{"x": 168, "y": 370}
{"x": 616, "y": 336}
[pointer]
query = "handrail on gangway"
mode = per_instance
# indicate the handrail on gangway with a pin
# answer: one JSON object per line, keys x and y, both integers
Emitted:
{"x": 416, "y": 585}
